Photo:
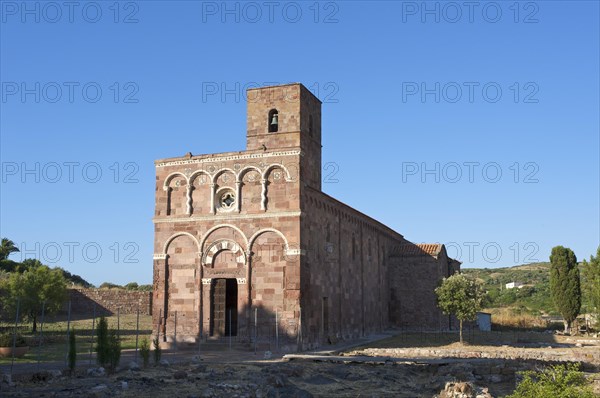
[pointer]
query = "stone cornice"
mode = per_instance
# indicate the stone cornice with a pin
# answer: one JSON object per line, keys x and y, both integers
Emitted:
{"x": 228, "y": 216}
{"x": 224, "y": 157}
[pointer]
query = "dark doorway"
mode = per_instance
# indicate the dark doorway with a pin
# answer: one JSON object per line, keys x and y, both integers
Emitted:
{"x": 223, "y": 307}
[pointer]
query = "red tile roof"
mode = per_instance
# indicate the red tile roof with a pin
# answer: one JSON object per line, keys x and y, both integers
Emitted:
{"x": 418, "y": 249}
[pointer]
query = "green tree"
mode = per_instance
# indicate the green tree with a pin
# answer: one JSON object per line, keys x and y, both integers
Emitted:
{"x": 565, "y": 286}
{"x": 157, "y": 350}
{"x": 560, "y": 381}
{"x": 114, "y": 350}
{"x": 102, "y": 344}
{"x": 108, "y": 285}
{"x": 591, "y": 283}
{"x": 108, "y": 346}
{"x": 33, "y": 288}
{"x": 460, "y": 296}
{"x": 7, "y": 247}
{"x": 132, "y": 286}
{"x": 145, "y": 351}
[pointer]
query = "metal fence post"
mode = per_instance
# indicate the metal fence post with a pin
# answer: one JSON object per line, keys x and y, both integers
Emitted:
{"x": 175, "y": 331}
{"x": 230, "y": 329}
{"x": 68, "y": 333}
{"x": 93, "y": 329}
{"x": 276, "y": 330}
{"x": 41, "y": 334}
{"x": 15, "y": 336}
{"x": 137, "y": 332}
{"x": 299, "y": 336}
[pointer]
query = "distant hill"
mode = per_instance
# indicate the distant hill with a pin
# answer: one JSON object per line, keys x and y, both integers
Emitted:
{"x": 533, "y": 297}
{"x": 13, "y": 266}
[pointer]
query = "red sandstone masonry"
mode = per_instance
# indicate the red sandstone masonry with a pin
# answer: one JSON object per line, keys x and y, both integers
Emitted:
{"x": 109, "y": 301}
{"x": 291, "y": 248}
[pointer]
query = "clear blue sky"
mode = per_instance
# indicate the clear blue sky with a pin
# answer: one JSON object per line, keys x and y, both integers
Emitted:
{"x": 405, "y": 88}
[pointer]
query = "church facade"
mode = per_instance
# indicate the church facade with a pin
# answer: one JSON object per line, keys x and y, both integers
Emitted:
{"x": 242, "y": 238}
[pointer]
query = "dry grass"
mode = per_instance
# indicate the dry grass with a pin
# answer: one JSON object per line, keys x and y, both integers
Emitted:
{"x": 507, "y": 318}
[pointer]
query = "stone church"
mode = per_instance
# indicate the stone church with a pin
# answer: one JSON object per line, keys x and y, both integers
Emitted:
{"x": 244, "y": 238}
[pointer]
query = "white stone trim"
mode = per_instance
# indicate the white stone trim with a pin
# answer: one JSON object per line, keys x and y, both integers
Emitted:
{"x": 221, "y": 245}
{"x": 160, "y": 256}
{"x": 228, "y": 216}
{"x": 206, "y": 281}
{"x": 241, "y": 281}
{"x": 227, "y": 158}
{"x": 295, "y": 252}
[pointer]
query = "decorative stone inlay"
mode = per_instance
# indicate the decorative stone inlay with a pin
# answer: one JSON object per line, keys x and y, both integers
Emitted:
{"x": 160, "y": 256}
{"x": 206, "y": 281}
{"x": 241, "y": 281}
{"x": 227, "y": 158}
{"x": 224, "y": 273}
{"x": 220, "y": 245}
{"x": 167, "y": 219}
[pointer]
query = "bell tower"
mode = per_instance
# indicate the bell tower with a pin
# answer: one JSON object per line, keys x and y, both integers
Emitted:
{"x": 285, "y": 117}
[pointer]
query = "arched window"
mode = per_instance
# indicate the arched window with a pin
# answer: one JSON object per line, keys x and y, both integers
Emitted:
{"x": 273, "y": 121}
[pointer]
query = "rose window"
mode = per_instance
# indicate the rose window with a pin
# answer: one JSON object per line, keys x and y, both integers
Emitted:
{"x": 226, "y": 201}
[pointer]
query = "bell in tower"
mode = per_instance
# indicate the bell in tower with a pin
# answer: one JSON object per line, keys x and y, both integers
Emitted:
{"x": 273, "y": 121}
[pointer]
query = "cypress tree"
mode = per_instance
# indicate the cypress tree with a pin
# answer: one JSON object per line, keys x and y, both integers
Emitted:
{"x": 565, "y": 286}
{"x": 103, "y": 344}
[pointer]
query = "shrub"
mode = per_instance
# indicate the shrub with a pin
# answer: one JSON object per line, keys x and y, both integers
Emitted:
{"x": 102, "y": 345}
{"x": 560, "y": 381}
{"x": 72, "y": 350}
{"x": 157, "y": 351}
{"x": 114, "y": 344}
{"x": 145, "y": 351}
{"x": 6, "y": 340}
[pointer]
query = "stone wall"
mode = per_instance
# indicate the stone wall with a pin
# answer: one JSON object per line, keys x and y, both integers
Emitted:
{"x": 259, "y": 218}
{"x": 108, "y": 302}
{"x": 344, "y": 270}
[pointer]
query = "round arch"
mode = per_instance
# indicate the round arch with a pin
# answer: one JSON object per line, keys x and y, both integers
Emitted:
{"x": 171, "y": 176}
{"x": 197, "y": 173}
{"x": 265, "y": 174}
{"x": 246, "y": 169}
{"x": 207, "y": 234}
{"x": 221, "y": 171}
{"x": 223, "y": 245}
{"x": 262, "y": 231}
{"x": 177, "y": 234}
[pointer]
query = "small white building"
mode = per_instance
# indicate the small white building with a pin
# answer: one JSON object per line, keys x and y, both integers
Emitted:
{"x": 513, "y": 285}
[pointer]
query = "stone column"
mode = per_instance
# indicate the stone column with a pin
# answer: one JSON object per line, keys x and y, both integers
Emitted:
{"x": 205, "y": 292}
{"x": 160, "y": 292}
{"x": 238, "y": 192}
{"x": 213, "y": 188}
{"x": 190, "y": 188}
{"x": 263, "y": 195}
{"x": 249, "y": 291}
{"x": 199, "y": 287}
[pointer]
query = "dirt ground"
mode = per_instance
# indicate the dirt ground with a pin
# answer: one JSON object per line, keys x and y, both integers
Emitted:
{"x": 385, "y": 368}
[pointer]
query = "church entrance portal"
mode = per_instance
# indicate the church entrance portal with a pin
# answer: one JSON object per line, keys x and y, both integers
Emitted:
{"x": 223, "y": 307}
